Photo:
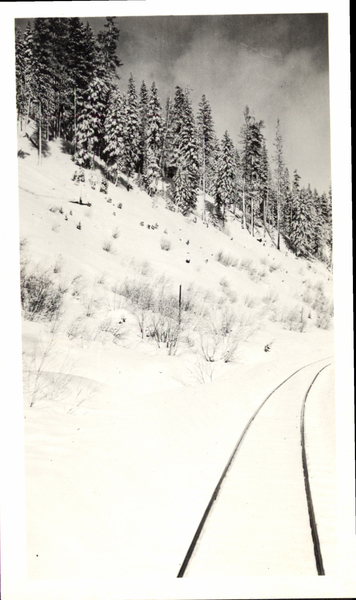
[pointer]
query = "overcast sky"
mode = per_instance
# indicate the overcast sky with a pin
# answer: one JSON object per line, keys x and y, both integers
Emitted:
{"x": 275, "y": 64}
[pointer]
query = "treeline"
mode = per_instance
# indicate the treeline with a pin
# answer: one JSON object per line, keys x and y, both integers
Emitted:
{"x": 67, "y": 81}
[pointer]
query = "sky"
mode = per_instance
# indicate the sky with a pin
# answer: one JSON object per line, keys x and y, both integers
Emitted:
{"x": 276, "y": 64}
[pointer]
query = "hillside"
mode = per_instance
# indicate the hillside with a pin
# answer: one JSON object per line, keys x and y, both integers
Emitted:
{"x": 132, "y": 400}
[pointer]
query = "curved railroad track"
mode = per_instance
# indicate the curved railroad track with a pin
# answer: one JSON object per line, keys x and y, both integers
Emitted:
{"x": 308, "y": 495}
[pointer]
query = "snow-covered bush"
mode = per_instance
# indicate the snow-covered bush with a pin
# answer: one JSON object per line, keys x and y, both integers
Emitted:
{"x": 270, "y": 298}
{"x": 165, "y": 244}
{"x": 78, "y": 329}
{"x": 113, "y": 327}
{"x": 108, "y": 247}
{"x": 219, "y": 336}
{"x": 294, "y": 319}
{"x": 140, "y": 293}
{"x": 78, "y": 177}
{"x": 164, "y": 330}
{"x": 226, "y": 259}
{"x": 250, "y": 301}
{"x": 104, "y": 185}
{"x": 41, "y": 298}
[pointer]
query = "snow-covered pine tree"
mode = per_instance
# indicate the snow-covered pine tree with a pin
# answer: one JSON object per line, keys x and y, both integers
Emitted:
{"x": 176, "y": 123}
{"x": 167, "y": 139}
{"x": 251, "y": 155}
{"x": 90, "y": 122}
{"x": 132, "y": 129}
{"x": 20, "y": 75}
{"x": 226, "y": 179}
{"x": 251, "y": 142}
{"x": 42, "y": 81}
{"x": 28, "y": 71}
{"x": 287, "y": 199}
{"x": 109, "y": 60}
{"x": 303, "y": 223}
{"x": 154, "y": 140}
{"x": 142, "y": 108}
{"x": 186, "y": 179}
{"x": 320, "y": 232}
{"x": 115, "y": 135}
{"x": 237, "y": 192}
{"x": 278, "y": 159}
{"x": 206, "y": 144}
{"x": 264, "y": 185}
{"x": 326, "y": 202}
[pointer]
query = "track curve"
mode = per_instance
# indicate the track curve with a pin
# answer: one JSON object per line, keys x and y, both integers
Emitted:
{"x": 201, "y": 531}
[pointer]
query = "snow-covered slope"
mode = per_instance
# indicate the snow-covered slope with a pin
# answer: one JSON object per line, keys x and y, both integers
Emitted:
{"x": 126, "y": 438}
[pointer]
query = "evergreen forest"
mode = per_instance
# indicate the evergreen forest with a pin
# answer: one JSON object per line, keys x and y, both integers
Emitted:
{"x": 68, "y": 83}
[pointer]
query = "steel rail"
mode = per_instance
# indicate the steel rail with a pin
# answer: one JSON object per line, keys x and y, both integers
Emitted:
{"x": 312, "y": 520}
{"x": 227, "y": 467}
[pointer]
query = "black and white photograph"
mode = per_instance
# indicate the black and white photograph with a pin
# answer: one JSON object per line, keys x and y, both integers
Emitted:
{"x": 180, "y": 351}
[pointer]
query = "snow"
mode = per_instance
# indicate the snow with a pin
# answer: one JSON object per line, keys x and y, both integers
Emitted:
{"x": 124, "y": 444}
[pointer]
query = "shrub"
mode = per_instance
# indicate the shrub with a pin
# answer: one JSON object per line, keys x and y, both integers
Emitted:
{"x": 41, "y": 299}
{"x": 104, "y": 185}
{"x": 219, "y": 336}
{"x": 79, "y": 176}
{"x": 226, "y": 259}
{"x": 108, "y": 247}
{"x": 295, "y": 319}
{"x": 270, "y": 298}
{"x": 246, "y": 264}
{"x": 165, "y": 244}
{"x": 78, "y": 329}
{"x": 250, "y": 301}
{"x": 114, "y": 327}
{"x": 140, "y": 293}
{"x": 115, "y": 233}
{"x": 164, "y": 330}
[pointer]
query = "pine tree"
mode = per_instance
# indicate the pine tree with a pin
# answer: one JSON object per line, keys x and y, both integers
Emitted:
{"x": 264, "y": 184}
{"x": 186, "y": 179}
{"x": 278, "y": 159}
{"x": 319, "y": 226}
{"x": 142, "y": 108}
{"x": 115, "y": 135}
{"x": 167, "y": 138}
{"x": 109, "y": 61}
{"x": 153, "y": 141}
{"x": 42, "y": 80}
{"x": 287, "y": 200}
{"x": 20, "y": 75}
{"x": 90, "y": 127}
{"x": 132, "y": 129}
{"x": 251, "y": 156}
{"x": 206, "y": 141}
{"x": 226, "y": 179}
{"x": 303, "y": 223}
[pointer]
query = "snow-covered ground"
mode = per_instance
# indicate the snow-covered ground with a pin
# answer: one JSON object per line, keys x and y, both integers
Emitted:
{"x": 125, "y": 443}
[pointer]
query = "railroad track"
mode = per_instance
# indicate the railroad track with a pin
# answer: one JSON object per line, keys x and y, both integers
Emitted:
{"x": 308, "y": 496}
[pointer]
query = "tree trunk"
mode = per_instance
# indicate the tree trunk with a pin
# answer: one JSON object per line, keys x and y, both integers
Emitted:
{"x": 252, "y": 217}
{"x": 243, "y": 206}
{"x": 27, "y": 116}
{"x": 203, "y": 181}
{"x": 40, "y": 135}
{"x": 278, "y": 221}
{"x": 75, "y": 120}
{"x": 264, "y": 217}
